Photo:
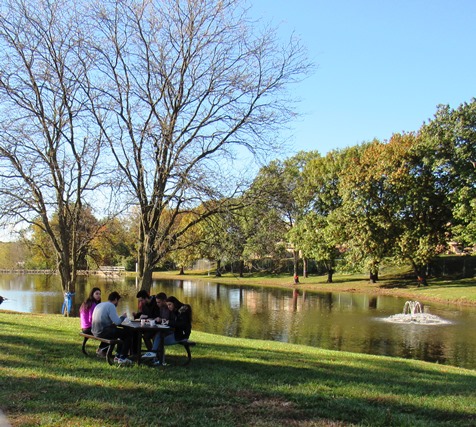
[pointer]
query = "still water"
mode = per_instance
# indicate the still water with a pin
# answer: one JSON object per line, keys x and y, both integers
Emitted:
{"x": 336, "y": 321}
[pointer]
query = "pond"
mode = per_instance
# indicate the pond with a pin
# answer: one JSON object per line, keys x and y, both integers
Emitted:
{"x": 337, "y": 321}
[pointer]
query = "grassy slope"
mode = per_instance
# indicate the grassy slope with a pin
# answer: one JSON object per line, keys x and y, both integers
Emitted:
{"x": 462, "y": 291}
{"x": 45, "y": 380}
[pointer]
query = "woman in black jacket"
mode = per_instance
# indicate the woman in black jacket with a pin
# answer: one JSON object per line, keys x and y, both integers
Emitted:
{"x": 180, "y": 320}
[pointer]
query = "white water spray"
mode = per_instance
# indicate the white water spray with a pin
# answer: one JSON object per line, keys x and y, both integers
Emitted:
{"x": 413, "y": 313}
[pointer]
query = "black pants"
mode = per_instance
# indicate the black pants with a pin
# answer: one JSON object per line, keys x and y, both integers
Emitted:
{"x": 125, "y": 336}
{"x": 89, "y": 332}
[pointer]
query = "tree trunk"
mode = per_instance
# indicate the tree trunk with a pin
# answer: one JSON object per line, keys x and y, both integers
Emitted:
{"x": 146, "y": 280}
{"x": 304, "y": 268}
{"x": 373, "y": 277}
{"x": 330, "y": 272}
{"x": 295, "y": 262}
{"x": 181, "y": 272}
{"x": 242, "y": 267}
{"x": 145, "y": 257}
{"x": 420, "y": 271}
{"x": 218, "y": 272}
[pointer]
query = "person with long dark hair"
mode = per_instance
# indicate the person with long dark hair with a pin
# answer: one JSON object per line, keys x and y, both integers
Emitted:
{"x": 181, "y": 320}
{"x": 87, "y": 308}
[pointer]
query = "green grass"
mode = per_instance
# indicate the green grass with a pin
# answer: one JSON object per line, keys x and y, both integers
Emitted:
{"x": 45, "y": 380}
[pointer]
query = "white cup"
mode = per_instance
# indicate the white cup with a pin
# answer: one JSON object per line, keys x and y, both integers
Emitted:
{"x": 152, "y": 322}
{"x": 142, "y": 322}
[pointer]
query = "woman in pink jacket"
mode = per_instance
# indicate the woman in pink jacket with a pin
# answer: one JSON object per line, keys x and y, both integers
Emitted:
{"x": 87, "y": 308}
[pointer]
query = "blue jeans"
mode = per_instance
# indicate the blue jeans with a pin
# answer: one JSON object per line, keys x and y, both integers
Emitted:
{"x": 168, "y": 340}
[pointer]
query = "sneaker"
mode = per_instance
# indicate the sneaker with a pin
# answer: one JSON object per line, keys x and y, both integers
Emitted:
{"x": 149, "y": 355}
{"x": 123, "y": 361}
{"x": 102, "y": 352}
{"x": 158, "y": 363}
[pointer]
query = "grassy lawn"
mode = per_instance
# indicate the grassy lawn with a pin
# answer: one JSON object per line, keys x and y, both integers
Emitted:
{"x": 45, "y": 380}
{"x": 457, "y": 291}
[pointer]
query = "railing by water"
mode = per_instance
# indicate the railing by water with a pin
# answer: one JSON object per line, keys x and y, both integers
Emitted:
{"x": 103, "y": 270}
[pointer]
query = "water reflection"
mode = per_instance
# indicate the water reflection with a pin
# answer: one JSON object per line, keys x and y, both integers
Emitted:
{"x": 338, "y": 321}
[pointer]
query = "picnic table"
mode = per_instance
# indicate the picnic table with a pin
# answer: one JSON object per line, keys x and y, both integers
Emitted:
{"x": 140, "y": 329}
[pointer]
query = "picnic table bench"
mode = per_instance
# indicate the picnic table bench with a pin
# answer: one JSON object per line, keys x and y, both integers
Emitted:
{"x": 186, "y": 344}
{"x": 111, "y": 342}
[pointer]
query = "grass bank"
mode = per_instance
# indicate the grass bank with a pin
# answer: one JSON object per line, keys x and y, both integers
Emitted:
{"x": 45, "y": 380}
{"x": 395, "y": 283}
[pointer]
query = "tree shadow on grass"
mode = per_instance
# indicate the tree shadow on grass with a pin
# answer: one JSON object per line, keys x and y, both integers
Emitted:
{"x": 49, "y": 381}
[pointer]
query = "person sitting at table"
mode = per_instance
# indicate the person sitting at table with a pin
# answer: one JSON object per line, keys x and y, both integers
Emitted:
{"x": 163, "y": 309}
{"x": 181, "y": 321}
{"x": 86, "y": 316}
{"x": 146, "y": 305}
{"x": 87, "y": 308}
{"x": 104, "y": 325}
{"x": 160, "y": 314}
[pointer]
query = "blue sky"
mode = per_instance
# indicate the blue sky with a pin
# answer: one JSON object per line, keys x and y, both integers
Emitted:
{"x": 382, "y": 66}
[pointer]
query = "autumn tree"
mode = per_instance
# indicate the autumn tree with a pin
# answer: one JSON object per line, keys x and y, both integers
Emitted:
{"x": 13, "y": 255}
{"x": 112, "y": 245}
{"x": 181, "y": 89}
{"x": 422, "y": 211}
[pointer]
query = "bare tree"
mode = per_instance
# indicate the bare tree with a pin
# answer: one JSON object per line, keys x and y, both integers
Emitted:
{"x": 49, "y": 149}
{"x": 183, "y": 89}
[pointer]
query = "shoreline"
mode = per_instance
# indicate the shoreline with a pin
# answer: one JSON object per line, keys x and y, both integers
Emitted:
{"x": 458, "y": 292}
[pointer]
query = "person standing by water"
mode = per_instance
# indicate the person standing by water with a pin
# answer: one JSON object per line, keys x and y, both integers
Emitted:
{"x": 104, "y": 325}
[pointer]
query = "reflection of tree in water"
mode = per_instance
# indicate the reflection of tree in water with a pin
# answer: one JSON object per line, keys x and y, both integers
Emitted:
{"x": 416, "y": 346}
{"x": 373, "y": 302}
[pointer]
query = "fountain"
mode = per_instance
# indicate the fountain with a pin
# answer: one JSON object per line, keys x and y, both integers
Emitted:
{"x": 412, "y": 308}
{"x": 413, "y": 313}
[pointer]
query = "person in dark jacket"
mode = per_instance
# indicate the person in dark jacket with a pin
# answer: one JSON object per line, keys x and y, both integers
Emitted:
{"x": 147, "y": 306}
{"x": 164, "y": 312}
{"x": 180, "y": 320}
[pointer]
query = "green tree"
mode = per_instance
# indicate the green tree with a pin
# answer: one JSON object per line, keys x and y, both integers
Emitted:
{"x": 317, "y": 235}
{"x": 366, "y": 213}
{"x": 276, "y": 192}
{"x": 422, "y": 210}
{"x": 452, "y": 137}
